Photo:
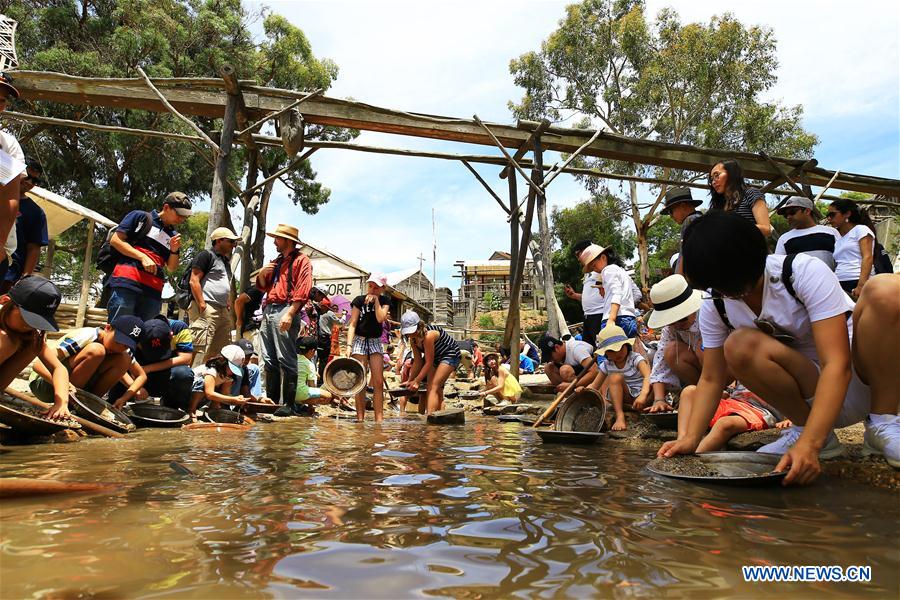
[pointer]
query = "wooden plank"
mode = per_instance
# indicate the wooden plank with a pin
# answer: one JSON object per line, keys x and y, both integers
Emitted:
{"x": 321, "y": 110}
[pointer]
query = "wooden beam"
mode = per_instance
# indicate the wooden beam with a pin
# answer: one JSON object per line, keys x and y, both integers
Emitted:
{"x": 175, "y": 112}
{"x": 489, "y": 189}
{"x": 86, "y": 278}
{"x": 321, "y": 110}
{"x": 95, "y": 127}
{"x": 290, "y": 167}
{"x": 526, "y": 145}
{"x": 278, "y": 113}
{"x": 506, "y": 154}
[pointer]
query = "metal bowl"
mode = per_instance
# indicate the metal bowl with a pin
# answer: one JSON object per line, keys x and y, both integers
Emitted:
{"x": 25, "y": 418}
{"x": 569, "y": 437}
{"x": 97, "y": 410}
{"x": 731, "y": 468}
{"x": 150, "y": 415}
{"x": 584, "y": 411}
{"x": 662, "y": 420}
{"x": 261, "y": 407}
{"x": 345, "y": 376}
{"x": 222, "y": 415}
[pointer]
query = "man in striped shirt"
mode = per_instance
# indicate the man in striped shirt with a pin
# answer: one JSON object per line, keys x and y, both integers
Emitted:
{"x": 136, "y": 281}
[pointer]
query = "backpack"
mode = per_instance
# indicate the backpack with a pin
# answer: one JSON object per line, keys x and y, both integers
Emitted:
{"x": 108, "y": 257}
{"x": 881, "y": 260}
{"x": 787, "y": 278}
{"x": 183, "y": 295}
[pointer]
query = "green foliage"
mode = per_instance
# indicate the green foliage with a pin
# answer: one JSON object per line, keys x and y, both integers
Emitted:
{"x": 116, "y": 173}
{"x": 486, "y": 321}
{"x": 598, "y": 219}
{"x": 663, "y": 238}
{"x": 492, "y": 301}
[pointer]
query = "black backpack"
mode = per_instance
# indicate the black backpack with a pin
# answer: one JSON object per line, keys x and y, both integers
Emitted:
{"x": 183, "y": 295}
{"x": 881, "y": 260}
{"x": 108, "y": 257}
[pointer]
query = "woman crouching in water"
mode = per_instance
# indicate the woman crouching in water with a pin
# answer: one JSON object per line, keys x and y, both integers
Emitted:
{"x": 435, "y": 356}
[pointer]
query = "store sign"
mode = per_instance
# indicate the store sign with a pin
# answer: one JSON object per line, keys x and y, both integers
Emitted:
{"x": 348, "y": 288}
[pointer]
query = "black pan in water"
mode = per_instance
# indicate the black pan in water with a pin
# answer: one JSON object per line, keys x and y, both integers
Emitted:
{"x": 730, "y": 468}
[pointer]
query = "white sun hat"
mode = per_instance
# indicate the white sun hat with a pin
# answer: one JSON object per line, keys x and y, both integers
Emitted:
{"x": 673, "y": 299}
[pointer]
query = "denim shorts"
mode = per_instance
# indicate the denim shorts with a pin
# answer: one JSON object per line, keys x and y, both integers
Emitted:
{"x": 453, "y": 361}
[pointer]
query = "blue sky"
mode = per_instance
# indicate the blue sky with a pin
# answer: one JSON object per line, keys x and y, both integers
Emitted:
{"x": 839, "y": 60}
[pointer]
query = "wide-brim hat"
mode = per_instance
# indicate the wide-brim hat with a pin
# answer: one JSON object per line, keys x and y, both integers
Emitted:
{"x": 612, "y": 337}
{"x": 223, "y": 233}
{"x": 677, "y": 196}
{"x": 285, "y": 231}
{"x": 6, "y": 84}
{"x": 489, "y": 355}
{"x": 673, "y": 299}
{"x": 588, "y": 255}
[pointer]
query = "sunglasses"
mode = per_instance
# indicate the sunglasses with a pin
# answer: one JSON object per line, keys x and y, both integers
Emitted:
{"x": 775, "y": 331}
{"x": 831, "y": 214}
{"x": 790, "y": 212}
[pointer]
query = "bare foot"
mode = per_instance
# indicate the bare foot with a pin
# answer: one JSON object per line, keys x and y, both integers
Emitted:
{"x": 619, "y": 425}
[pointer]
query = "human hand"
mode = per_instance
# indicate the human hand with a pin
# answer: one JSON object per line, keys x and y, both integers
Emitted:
{"x": 120, "y": 403}
{"x": 803, "y": 461}
{"x": 685, "y": 445}
{"x": 142, "y": 394}
{"x": 640, "y": 402}
{"x": 371, "y": 298}
{"x": 175, "y": 243}
{"x": 857, "y": 291}
{"x": 59, "y": 410}
{"x": 569, "y": 291}
{"x": 562, "y": 387}
{"x": 148, "y": 264}
{"x": 784, "y": 424}
{"x": 658, "y": 407}
{"x": 284, "y": 324}
{"x": 413, "y": 385}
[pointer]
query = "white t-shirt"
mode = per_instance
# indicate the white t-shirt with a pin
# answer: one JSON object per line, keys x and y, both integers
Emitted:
{"x": 10, "y": 145}
{"x": 591, "y": 298}
{"x": 577, "y": 351}
{"x": 847, "y": 254}
{"x": 819, "y": 241}
{"x": 201, "y": 371}
{"x": 819, "y": 297}
{"x": 617, "y": 289}
{"x": 631, "y": 372}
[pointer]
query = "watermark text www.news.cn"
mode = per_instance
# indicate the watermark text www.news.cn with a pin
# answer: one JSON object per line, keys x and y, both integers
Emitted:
{"x": 806, "y": 573}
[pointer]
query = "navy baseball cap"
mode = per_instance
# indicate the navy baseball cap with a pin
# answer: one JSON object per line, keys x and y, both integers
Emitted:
{"x": 128, "y": 330}
{"x": 547, "y": 344}
{"x": 37, "y": 299}
{"x": 156, "y": 339}
{"x": 246, "y": 346}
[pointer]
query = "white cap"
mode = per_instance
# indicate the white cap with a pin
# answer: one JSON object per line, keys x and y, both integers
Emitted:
{"x": 409, "y": 322}
{"x": 235, "y": 355}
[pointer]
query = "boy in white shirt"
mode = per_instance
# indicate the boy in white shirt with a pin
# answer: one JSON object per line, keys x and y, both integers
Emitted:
{"x": 791, "y": 348}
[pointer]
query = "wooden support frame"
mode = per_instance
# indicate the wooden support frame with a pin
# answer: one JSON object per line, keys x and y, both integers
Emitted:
{"x": 526, "y": 145}
{"x": 290, "y": 167}
{"x": 175, "y": 112}
{"x": 86, "y": 274}
{"x": 489, "y": 189}
{"x": 278, "y": 113}
{"x": 506, "y": 154}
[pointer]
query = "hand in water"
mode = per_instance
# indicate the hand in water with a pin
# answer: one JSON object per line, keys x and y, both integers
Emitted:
{"x": 659, "y": 406}
{"x": 803, "y": 461}
{"x": 683, "y": 446}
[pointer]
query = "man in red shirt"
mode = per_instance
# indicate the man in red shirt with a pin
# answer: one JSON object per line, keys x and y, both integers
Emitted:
{"x": 287, "y": 280}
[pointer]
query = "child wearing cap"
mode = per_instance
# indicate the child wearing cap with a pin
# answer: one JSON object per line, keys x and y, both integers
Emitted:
{"x": 307, "y": 393}
{"x": 96, "y": 358}
{"x": 364, "y": 338}
{"x": 627, "y": 371}
{"x": 26, "y": 313}
{"x": 500, "y": 381}
{"x": 213, "y": 378}
{"x": 435, "y": 357}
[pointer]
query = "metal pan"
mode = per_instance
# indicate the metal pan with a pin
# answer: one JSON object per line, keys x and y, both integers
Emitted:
{"x": 730, "y": 468}
{"x": 26, "y": 419}
{"x": 99, "y": 411}
{"x": 261, "y": 407}
{"x": 662, "y": 420}
{"x": 150, "y": 415}
{"x": 569, "y": 437}
{"x": 399, "y": 392}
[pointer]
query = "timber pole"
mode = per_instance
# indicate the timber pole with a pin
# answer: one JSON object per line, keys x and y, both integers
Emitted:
{"x": 513, "y": 326}
{"x": 218, "y": 207}
{"x": 85, "y": 275}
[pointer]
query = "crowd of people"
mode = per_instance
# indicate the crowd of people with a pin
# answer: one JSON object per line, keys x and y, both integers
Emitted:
{"x": 802, "y": 338}
{"x": 743, "y": 337}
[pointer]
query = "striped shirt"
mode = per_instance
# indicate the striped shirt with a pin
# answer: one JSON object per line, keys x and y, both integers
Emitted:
{"x": 128, "y": 272}
{"x": 445, "y": 346}
{"x": 745, "y": 206}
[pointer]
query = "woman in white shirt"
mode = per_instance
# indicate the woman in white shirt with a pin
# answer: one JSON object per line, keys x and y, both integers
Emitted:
{"x": 786, "y": 337}
{"x": 854, "y": 252}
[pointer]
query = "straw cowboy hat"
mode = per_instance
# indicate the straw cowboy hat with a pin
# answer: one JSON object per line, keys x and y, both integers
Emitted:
{"x": 286, "y": 231}
{"x": 673, "y": 299}
{"x": 588, "y": 255}
{"x": 612, "y": 337}
{"x": 489, "y": 356}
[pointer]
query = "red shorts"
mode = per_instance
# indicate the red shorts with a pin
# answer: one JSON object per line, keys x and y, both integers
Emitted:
{"x": 754, "y": 417}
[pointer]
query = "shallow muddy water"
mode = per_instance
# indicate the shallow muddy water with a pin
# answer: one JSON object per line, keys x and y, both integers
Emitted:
{"x": 318, "y": 508}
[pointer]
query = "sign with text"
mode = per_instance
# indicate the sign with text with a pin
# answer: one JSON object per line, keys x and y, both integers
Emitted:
{"x": 349, "y": 288}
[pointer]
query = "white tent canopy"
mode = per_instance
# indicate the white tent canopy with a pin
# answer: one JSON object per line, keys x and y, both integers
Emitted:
{"x": 62, "y": 213}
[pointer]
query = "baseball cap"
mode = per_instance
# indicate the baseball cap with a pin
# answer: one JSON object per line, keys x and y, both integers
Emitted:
{"x": 306, "y": 343}
{"x": 797, "y": 202}
{"x": 235, "y": 358}
{"x": 128, "y": 330}
{"x": 246, "y": 346}
{"x": 547, "y": 343}
{"x": 409, "y": 322}
{"x": 180, "y": 203}
{"x": 37, "y": 299}
{"x": 220, "y": 233}
{"x": 379, "y": 279}
{"x": 156, "y": 339}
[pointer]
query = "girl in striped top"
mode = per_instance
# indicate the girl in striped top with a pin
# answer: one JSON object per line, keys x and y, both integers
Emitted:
{"x": 730, "y": 193}
{"x": 435, "y": 356}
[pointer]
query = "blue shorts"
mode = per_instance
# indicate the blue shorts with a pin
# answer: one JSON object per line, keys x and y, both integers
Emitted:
{"x": 453, "y": 361}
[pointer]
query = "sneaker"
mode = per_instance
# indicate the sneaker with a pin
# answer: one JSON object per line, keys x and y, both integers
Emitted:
{"x": 883, "y": 437}
{"x": 832, "y": 449}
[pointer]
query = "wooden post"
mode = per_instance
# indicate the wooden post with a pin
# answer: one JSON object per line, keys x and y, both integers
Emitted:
{"x": 48, "y": 263}
{"x": 217, "y": 205}
{"x": 86, "y": 275}
{"x": 513, "y": 323}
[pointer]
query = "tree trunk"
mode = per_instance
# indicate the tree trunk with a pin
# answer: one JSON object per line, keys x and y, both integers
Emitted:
{"x": 218, "y": 209}
{"x": 556, "y": 323}
{"x": 259, "y": 240}
{"x": 644, "y": 255}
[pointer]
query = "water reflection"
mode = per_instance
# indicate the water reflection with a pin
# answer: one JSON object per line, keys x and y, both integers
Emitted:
{"x": 324, "y": 508}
